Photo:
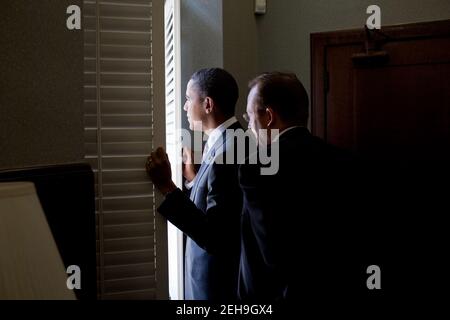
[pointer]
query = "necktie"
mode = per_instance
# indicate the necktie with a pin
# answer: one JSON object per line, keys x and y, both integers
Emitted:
{"x": 205, "y": 151}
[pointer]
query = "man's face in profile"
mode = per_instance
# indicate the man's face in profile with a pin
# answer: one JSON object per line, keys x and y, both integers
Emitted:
{"x": 194, "y": 106}
{"x": 256, "y": 118}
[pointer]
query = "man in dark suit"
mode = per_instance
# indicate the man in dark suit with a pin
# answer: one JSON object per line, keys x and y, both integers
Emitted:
{"x": 291, "y": 215}
{"x": 210, "y": 217}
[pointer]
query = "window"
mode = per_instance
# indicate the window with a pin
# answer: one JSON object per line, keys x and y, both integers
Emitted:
{"x": 121, "y": 89}
{"x": 173, "y": 138}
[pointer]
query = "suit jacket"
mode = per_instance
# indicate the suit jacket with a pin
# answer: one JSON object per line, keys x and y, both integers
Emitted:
{"x": 290, "y": 217}
{"x": 211, "y": 220}
{"x": 310, "y": 232}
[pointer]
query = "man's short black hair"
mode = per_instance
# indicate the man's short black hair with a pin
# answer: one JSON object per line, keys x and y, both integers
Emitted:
{"x": 220, "y": 86}
{"x": 285, "y": 94}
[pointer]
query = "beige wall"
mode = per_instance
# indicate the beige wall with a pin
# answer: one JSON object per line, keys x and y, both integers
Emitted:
{"x": 201, "y": 40}
{"x": 41, "y": 84}
{"x": 219, "y": 33}
{"x": 284, "y": 32}
{"x": 240, "y": 53}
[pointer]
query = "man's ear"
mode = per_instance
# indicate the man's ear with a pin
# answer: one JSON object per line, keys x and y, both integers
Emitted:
{"x": 208, "y": 105}
{"x": 270, "y": 117}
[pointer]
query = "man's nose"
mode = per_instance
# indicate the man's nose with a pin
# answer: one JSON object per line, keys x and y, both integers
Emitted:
{"x": 185, "y": 107}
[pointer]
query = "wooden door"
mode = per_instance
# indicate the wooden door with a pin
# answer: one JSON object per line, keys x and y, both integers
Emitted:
{"x": 391, "y": 102}
{"x": 384, "y": 94}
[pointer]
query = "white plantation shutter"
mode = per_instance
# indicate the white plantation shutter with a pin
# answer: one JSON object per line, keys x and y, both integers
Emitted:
{"x": 173, "y": 138}
{"x": 118, "y": 139}
{"x": 173, "y": 114}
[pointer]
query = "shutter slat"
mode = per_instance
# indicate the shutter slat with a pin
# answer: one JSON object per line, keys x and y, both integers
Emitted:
{"x": 127, "y": 217}
{"x": 126, "y": 93}
{"x": 119, "y": 162}
{"x": 132, "y": 295}
{"x": 89, "y": 65}
{"x": 128, "y": 257}
{"x": 127, "y": 121}
{"x": 114, "y": 190}
{"x": 124, "y": 148}
{"x": 90, "y": 37}
{"x": 117, "y": 51}
{"x": 127, "y": 79}
{"x": 90, "y": 92}
{"x": 129, "y": 2}
{"x": 140, "y": 24}
{"x": 89, "y": 21}
{"x": 126, "y": 189}
{"x": 124, "y": 162}
{"x": 125, "y": 10}
{"x": 90, "y": 121}
{"x": 127, "y": 271}
{"x": 90, "y": 50}
{"x": 124, "y": 176}
{"x": 119, "y": 135}
{"x": 89, "y": 9}
{"x": 125, "y": 244}
{"x": 124, "y": 51}
{"x": 125, "y": 65}
{"x": 118, "y": 107}
{"x": 89, "y": 78}
{"x": 129, "y": 284}
{"x": 132, "y": 203}
{"x": 125, "y": 38}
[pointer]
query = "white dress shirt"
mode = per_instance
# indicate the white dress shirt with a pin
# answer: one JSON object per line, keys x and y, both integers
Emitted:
{"x": 212, "y": 139}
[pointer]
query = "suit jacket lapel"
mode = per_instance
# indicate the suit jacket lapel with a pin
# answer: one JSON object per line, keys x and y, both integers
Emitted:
{"x": 209, "y": 159}
{"x": 203, "y": 168}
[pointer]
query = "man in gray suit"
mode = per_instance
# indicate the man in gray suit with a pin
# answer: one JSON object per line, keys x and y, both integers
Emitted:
{"x": 210, "y": 217}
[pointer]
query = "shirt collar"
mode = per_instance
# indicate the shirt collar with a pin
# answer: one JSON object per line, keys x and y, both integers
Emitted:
{"x": 217, "y": 132}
